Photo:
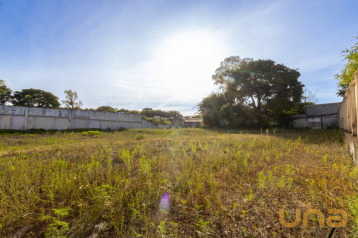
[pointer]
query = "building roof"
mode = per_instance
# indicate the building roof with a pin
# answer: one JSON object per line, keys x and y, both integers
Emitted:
{"x": 193, "y": 120}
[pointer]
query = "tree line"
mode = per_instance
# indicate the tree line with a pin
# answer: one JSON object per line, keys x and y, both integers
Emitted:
{"x": 42, "y": 99}
{"x": 38, "y": 98}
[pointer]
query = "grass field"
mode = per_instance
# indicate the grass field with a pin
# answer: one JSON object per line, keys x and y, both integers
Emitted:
{"x": 169, "y": 183}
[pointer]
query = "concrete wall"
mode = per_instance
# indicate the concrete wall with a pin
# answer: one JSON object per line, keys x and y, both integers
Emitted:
{"x": 322, "y": 109}
{"x": 348, "y": 111}
{"x": 24, "y": 118}
{"x": 300, "y": 123}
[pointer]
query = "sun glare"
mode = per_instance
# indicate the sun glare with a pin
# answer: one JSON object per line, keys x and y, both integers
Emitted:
{"x": 188, "y": 58}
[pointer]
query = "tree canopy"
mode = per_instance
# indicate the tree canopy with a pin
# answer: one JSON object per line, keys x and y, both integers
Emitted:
{"x": 106, "y": 109}
{"x": 253, "y": 92}
{"x": 347, "y": 72}
{"x": 161, "y": 113}
{"x": 5, "y": 93}
{"x": 71, "y": 100}
{"x": 35, "y": 98}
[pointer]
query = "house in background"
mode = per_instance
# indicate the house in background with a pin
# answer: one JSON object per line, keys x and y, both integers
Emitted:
{"x": 193, "y": 122}
{"x": 178, "y": 122}
{"x": 319, "y": 116}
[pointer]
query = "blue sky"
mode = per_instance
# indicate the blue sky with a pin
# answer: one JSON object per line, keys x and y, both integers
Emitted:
{"x": 161, "y": 54}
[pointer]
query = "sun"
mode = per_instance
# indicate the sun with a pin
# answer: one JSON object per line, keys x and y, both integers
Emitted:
{"x": 187, "y": 59}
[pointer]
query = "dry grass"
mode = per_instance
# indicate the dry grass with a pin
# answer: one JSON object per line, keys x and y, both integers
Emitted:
{"x": 219, "y": 183}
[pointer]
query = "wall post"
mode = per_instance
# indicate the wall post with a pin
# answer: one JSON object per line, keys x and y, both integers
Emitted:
{"x": 356, "y": 101}
{"x": 54, "y": 123}
{"x": 26, "y": 115}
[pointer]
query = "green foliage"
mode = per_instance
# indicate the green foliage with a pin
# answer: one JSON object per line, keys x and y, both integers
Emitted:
{"x": 351, "y": 66}
{"x": 139, "y": 137}
{"x": 57, "y": 227}
{"x": 157, "y": 121}
{"x": 255, "y": 93}
{"x": 5, "y": 93}
{"x": 91, "y": 133}
{"x": 35, "y": 98}
{"x": 128, "y": 111}
{"x": 106, "y": 109}
{"x": 162, "y": 113}
{"x": 71, "y": 100}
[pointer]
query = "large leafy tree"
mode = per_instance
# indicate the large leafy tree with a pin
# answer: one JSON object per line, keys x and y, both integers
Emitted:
{"x": 35, "y": 98}
{"x": 71, "y": 100}
{"x": 5, "y": 93}
{"x": 257, "y": 91}
{"x": 347, "y": 73}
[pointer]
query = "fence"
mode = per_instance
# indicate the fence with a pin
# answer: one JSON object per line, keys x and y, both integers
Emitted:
{"x": 24, "y": 118}
{"x": 348, "y": 111}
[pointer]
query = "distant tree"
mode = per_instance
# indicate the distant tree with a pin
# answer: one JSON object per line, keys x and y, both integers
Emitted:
{"x": 5, "y": 93}
{"x": 70, "y": 101}
{"x": 151, "y": 113}
{"x": 107, "y": 109}
{"x": 347, "y": 73}
{"x": 128, "y": 111}
{"x": 35, "y": 98}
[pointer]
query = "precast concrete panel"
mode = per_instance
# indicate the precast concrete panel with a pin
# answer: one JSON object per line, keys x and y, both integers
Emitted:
{"x": 5, "y": 122}
{"x": 80, "y": 123}
{"x": 47, "y": 118}
{"x": 80, "y": 114}
{"x": 94, "y": 124}
{"x": 61, "y": 123}
{"x": 300, "y": 123}
{"x": 106, "y": 124}
{"x": 30, "y": 122}
{"x": 330, "y": 121}
{"x": 18, "y": 122}
{"x": 44, "y": 123}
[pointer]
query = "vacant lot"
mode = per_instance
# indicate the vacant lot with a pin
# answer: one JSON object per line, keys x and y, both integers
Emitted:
{"x": 168, "y": 183}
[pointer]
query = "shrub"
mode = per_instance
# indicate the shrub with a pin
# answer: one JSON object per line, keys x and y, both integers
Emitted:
{"x": 91, "y": 133}
{"x": 139, "y": 137}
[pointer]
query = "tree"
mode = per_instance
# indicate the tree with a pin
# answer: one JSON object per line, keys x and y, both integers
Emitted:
{"x": 70, "y": 101}
{"x": 128, "y": 111}
{"x": 151, "y": 113}
{"x": 35, "y": 98}
{"x": 347, "y": 73}
{"x": 210, "y": 108}
{"x": 257, "y": 92}
{"x": 5, "y": 93}
{"x": 107, "y": 109}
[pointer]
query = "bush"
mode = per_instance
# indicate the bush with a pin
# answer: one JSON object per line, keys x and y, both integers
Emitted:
{"x": 139, "y": 137}
{"x": 91, "y": 133}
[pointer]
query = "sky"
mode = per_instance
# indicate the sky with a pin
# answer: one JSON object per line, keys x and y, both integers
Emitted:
{"x": 161, "y": 54}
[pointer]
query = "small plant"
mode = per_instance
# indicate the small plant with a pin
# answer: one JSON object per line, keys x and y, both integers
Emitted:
{"x": 251, "y": 196}
{"x": 161, "y": 229}
{"x": 205, "y": 230}
{"x": 244, "y": 213}
{"x": 261, "y": 180}
{"x": 281, "y": 183}
{"x": 57, "y": 228}
{"x": 271, "y": 179}
{"x": 139, "y": 136}
{"x": 289, "y": 185}
{"x": 91, "y": 133}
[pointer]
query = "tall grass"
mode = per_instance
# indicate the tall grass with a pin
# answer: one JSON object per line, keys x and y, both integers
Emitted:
{"x": 169, "y": 183}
